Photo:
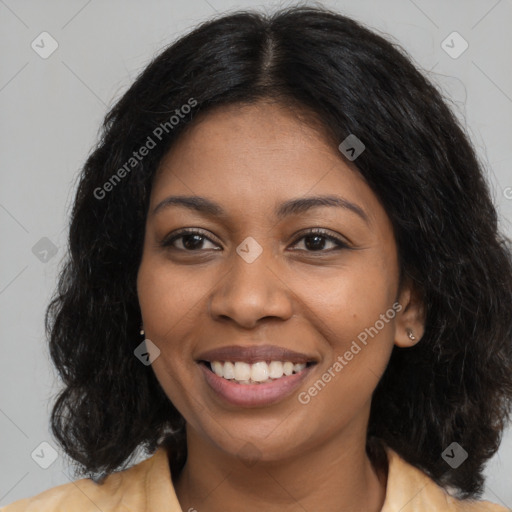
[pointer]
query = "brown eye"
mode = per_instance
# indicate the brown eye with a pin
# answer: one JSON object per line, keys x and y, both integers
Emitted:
{"x": 187, "y": 240}
{"x": 316, "y": 241}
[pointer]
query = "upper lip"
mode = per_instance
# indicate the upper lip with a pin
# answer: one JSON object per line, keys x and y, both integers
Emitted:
{"x": 253, "y": 354}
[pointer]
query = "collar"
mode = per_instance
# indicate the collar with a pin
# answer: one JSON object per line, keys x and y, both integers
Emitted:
{"x": 148, "y": 487}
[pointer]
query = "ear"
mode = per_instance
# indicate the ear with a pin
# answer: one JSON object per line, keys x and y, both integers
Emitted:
{"x": 410, "y": 320}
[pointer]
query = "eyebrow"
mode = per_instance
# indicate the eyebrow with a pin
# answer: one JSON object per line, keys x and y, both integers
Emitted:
{"x": 291, "y": 207}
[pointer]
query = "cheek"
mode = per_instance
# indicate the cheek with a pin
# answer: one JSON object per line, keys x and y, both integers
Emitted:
{"x": 353, "y": 312}
{"x": 346, "y": 302}
{"x": 163, "y": 311}
{"x": 169, "y": 298}
{"x": 355, "y": 318}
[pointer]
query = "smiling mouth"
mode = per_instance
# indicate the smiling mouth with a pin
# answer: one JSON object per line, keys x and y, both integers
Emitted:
{"x": 261, "y": 372}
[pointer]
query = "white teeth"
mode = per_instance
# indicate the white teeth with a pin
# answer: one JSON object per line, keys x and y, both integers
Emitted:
{"x": 242, "y": 371}
{"x": 229, "y": 370}
{"x": 288, "y": 368}
{"x": 260, "y": 372}
{"x": 217, "y": 367}
{"x": 275, "y": 369}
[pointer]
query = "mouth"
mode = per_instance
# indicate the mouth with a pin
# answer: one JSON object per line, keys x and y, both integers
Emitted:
{"x": 261, "y": 372}
{"x": 254, "y": 376}
{"x": 258, "y": 384}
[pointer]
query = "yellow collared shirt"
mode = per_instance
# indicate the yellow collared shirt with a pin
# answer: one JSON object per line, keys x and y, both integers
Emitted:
{"x": 147, "y": 487}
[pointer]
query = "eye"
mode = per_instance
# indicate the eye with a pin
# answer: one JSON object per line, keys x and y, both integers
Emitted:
{"x": 316, "y": 239}
{"x": 189, "y": 240}
{"x": 193, "y": 240}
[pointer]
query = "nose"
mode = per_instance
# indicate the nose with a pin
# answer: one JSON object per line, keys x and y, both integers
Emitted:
{"x": 250, "y": 292}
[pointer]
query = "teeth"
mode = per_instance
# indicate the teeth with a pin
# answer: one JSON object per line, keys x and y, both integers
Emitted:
{"x": 275, "y": 369}
{"x": 288, "y": 368}
{"x": 242, "y": 371}
{"x": 217, "y": 367}
{"x": 229, "y": 370}
{"x": 260, "y": 372}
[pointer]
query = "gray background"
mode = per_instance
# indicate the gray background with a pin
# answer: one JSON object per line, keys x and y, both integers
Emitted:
{"x": 51, "y": 110}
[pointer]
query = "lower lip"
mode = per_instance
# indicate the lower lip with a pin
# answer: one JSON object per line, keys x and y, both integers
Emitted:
{"x": 254, "y": 395}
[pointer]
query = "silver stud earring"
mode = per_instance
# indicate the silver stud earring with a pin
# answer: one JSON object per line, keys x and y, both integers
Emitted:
{"x": 410, "y": 334}
{"x": 142, "y": 330}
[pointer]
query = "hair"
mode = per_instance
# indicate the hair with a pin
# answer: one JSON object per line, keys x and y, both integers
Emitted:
{"x": 454, "y": 385}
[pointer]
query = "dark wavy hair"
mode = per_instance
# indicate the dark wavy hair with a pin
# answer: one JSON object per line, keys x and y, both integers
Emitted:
{"x": 454, "y": 385}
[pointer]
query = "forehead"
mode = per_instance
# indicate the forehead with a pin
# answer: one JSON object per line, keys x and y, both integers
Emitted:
{"x": 252, "y": 157}
{"x": 239, "y": 132}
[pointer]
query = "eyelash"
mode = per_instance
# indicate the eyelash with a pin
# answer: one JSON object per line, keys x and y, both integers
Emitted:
{"x": 167, "y": 242}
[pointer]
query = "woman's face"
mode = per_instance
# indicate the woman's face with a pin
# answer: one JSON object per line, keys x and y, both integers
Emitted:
{"x": 255, "y": 276}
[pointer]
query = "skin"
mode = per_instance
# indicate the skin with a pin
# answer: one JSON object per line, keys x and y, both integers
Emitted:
{"x": 310, "y": 298}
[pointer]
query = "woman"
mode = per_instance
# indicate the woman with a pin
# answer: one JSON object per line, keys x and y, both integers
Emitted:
{"x": 285, "y": 282}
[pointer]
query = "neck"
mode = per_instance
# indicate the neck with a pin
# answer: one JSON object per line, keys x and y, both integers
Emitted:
{"x": 336, "y": 476}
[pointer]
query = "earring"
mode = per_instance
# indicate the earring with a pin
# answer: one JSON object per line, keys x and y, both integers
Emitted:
{"x": 142, "y": 330}
{"x": 410, "y": 334}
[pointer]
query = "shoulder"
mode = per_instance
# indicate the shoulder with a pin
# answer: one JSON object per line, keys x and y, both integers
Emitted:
{"x": 411, "y": 490}
{"x": 80, "y": 495}
{"x": 146, "y": 483}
